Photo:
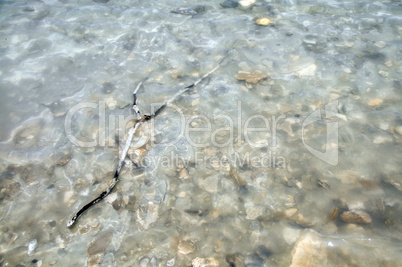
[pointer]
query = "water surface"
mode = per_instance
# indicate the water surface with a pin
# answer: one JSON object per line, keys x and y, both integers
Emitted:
{"x": 198, "y": 182}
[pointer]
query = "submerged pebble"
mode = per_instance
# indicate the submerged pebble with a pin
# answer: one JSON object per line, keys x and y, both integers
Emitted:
{"x": 96, "y": 249}
{"x": 32, "y": 246}
{"x": 290, "y": 235}
{"x": 380, "y": 44}
{"x": 254, "y": 212}
{"x": 375, "y": 102}
{"x": 184, "y": 11}
{"x": 185, "y": 247}
{"x": 253, "y": 260}
{"x": 356, "y": 217}
{"x": 263, "y": 21}
{"x": 264, "y": 252}
{"x": 108, "y": 87}
{"x": 147, "y": 215}
{"x": 310, "y": 250}
{"x": 251, "y": 77}
{"x": 229, "y": 4}
{"x": 205, "y": 262}
{"x": 235, "y": 176}
{"x": 394, "y": 180}
{"x": 99, "y": 244}
{"x": 246, "y": 3}
{"x": 190, "y": 10}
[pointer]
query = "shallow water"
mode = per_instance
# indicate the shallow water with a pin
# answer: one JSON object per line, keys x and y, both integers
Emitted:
{"x": 200, "y": 180}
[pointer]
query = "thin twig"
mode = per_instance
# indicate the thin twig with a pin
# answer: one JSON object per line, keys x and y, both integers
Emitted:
{"x": 115, "y": 180}
{"x": 140, "y": 119}
{"x": 135, "y": 107}
{"x": 334, "y": 214}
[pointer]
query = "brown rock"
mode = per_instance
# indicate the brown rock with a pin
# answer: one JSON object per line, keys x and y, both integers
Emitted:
{"x": 369, "y": 185}
{"x": 235, "y": 176}
{"x": 62, "y": 158}
{"x": 356, "y": 217}
{"x": 94, "y": 260}
{"x": 375, "y": 102}
{"x": 96, "y": 249}
{"x": 251, "y": 77}
{"x": 99, "y": 245}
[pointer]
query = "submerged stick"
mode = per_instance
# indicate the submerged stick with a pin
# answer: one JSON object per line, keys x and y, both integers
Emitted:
{"x": 115, "y": 180}
{"x": 140, "y": 119}
{"x": 334, "y": 214}
{"x": 96, "y": 200}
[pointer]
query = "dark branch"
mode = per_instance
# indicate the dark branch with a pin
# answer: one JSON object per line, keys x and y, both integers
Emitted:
{"x": 138, "y": 122}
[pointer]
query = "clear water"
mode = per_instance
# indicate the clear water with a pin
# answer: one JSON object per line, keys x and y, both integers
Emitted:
{"x": 68, "y": 70}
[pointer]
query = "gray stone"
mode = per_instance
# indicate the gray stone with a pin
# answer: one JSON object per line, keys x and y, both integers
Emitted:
{"x": 394, "y": 180}
{"x": 229, "y": 4}
{"x": 209, "y": 184}
{"x": 99, "y": 245}
{"x": 185, "y": 247}
{"x": 190, "y": 10}
{"x": 253, "y": 260}
{"x": 290, "y": 235}
{"x": 108, "y": 87}
{"x": 147, "y": 215}
{"x": 253, "y": 211}
{"x": 263, "y": 252}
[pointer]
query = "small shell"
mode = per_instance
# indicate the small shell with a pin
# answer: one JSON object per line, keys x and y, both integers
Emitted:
{"x": 263, "y": 21}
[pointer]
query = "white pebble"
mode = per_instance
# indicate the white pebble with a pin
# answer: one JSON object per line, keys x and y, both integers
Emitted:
{"x": 389, "y": 63}
{"x": 32, "y": 245}
{"x": 383, "y": 73}
{"x": 380, "y": 44}
{"x": 290, "y": 235}
{"x": 246, "y": 3}
{"x": 171, "y": 262}
{"x": 347, "y": 70}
